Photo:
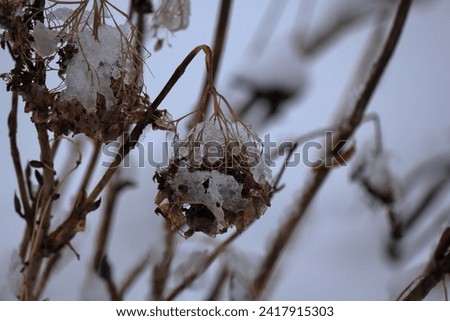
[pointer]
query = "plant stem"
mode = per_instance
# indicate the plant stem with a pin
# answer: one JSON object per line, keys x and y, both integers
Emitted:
{"x": 345, "y": 131}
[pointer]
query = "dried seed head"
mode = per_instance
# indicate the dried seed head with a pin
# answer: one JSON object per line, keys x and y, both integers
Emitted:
{"x": 102, "y": 90}
{"x": 217, "y": 178}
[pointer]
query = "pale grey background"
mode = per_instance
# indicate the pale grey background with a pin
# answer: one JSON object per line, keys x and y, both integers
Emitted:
{"x": 339, "y": 251}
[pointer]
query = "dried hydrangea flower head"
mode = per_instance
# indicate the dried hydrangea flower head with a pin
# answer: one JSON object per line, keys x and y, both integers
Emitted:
{"x": 216, "y": 178}
{"x": 102, "y": 89}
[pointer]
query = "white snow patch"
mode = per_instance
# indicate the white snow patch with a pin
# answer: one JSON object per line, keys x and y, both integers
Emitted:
{"x": 90, "y": 70}
{"x": 212, "y": 132}
{"x": 45, "y": 40}
{"x": 223, "y": 190}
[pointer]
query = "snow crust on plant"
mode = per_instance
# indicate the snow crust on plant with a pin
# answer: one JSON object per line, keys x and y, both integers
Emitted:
{"x": 212, "y": 131}
{"x": 90, "y": 70}
{"x": 223, "y": 191}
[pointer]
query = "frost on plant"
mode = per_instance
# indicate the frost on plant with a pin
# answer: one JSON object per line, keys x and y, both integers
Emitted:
{"x": 217, "y": 178}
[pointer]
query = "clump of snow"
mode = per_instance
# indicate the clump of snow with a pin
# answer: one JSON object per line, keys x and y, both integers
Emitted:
{"x": 90, "y": 70}
{"x": 45, "y": 40}
{"x": 223, "y": 191}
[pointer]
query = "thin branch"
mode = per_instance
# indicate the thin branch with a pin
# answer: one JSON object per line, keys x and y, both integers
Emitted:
{"x": 100, "y": 263}
{"x": 91, "y": 167}
{"x": 161, "y": 271}
{"x": 221, "y": 32}
{"x": 291, "y": 149}
{"x": 15, "y": 154}
{"x": 105, "y": 272}
{"x": 28, "y": 211}
{"x": 105, "y": 226}
{"x": 277, "y": 180}
{"x": 219, "y": 41}
{"x": 378, "y": 68}
{"x": 435, "y": 272}
{"x": 344, "y": 133}
{"x": 401, "y": 226}
{"x": 44, "y": 277}
{"x": 35, "y": 254}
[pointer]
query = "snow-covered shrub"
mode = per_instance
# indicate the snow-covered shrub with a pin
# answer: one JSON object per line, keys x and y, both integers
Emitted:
{"x": 217, "y": 178}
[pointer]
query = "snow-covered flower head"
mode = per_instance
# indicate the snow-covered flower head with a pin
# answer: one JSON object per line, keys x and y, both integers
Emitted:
{"x": 216, "y": 178}
{"x": 98, "y": 59}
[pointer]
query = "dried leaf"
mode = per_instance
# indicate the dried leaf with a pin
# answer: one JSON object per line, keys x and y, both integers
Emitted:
{"x": 94, "y": 206}
{"x": 36, "y": 164}
{"x": 104, "y": 268}
{"x": 17, "y": 205}
{"x": 38, "y": 177}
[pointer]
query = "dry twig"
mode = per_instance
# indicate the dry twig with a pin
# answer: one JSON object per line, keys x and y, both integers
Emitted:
{"x": 436, "y": 271}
